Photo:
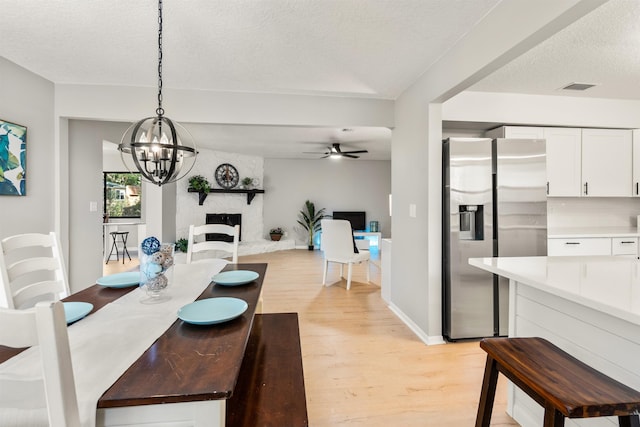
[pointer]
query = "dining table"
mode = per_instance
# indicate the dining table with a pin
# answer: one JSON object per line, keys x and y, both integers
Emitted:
{"x": 187, "y": 374}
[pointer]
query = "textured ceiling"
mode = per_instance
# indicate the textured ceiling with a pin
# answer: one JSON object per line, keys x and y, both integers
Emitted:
{"x": 371, "y": 48}
{"x": 360, "y": 48}
{"x": 602, "y": 48}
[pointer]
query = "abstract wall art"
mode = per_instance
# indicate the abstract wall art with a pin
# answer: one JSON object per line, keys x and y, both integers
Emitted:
{"x": 13, "y": 159}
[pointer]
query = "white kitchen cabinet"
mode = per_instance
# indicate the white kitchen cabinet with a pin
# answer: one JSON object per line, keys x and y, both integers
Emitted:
{"x": 579, "y": 246}
{"x": 606, "y": 163}
{"x": 521, "y": 132}
{"x": 624, "y": 246}
{"x": 564, "y": 161}
{"x": 635, "y": 189}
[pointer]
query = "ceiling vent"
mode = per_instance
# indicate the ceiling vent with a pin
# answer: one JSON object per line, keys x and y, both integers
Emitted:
{"x": 578, "y": 86}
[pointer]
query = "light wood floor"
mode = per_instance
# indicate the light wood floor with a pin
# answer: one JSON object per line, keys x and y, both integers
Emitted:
{"x": 362, "y": 365}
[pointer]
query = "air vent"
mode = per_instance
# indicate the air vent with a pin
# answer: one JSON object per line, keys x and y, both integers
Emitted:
{"x": 578, "y": 86}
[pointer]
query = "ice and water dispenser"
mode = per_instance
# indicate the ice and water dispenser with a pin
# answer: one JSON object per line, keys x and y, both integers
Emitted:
{"x": 471, "y": 223}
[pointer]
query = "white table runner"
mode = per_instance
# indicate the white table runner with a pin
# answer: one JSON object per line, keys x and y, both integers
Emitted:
{"x": 103, "y": 346}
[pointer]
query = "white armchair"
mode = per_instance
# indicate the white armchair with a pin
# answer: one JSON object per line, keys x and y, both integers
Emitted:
{"x": 338, "y": 246}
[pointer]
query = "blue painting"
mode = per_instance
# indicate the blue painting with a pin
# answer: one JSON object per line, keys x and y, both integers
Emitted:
{"x": 13, "y": 159}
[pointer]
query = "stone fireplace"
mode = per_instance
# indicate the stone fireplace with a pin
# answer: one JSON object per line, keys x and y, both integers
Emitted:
{"x": 223, "y": 218}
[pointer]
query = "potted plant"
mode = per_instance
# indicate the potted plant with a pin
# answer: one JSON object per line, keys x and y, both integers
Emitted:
{"x": 247, "y": 182}
{"x": 309, "y": 219}
{"x": 181, "y": 245}
{"x": 276, "y": 233}
{"x": 200, "y": 184}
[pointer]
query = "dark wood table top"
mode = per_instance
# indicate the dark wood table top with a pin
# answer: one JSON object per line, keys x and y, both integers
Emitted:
{"x": 187, "y": 362}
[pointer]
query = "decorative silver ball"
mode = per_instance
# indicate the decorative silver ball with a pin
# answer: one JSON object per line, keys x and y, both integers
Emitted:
{"x": 158, "y": 283}
{"x": 157, "y": 258}
{"x": 168, "y": 262}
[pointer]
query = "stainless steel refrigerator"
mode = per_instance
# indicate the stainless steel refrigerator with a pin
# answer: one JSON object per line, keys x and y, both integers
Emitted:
{"x": 494, "y": 203}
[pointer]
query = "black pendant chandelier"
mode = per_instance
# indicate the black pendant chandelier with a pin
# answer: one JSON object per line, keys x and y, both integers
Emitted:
{"x": 160, "y": 149}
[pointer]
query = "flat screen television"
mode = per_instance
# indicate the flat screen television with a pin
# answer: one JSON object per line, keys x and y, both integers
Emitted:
{"x": 358, "y": 220}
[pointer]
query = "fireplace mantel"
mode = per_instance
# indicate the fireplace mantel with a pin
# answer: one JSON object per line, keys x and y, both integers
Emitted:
{"x": 202, "y": 195}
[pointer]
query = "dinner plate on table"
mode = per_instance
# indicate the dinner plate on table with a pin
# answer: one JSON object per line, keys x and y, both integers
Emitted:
{"x": 235, "y": 277}
{"x": 120, "y": 280}
{"x": 76, "y": 310}
{"x": 210, "y": 311}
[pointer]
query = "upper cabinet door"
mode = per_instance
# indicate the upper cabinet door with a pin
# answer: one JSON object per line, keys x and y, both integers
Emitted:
{"x": 606, "y": 163}
{"x": 635, "y": 189}
{"x": 564, "y": 159}
{"x": 513, "y": 132}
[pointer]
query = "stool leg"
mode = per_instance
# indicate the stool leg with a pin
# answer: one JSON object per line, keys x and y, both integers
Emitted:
{"x": 488, "y": 393}
{"x": 124, "y": 247}
{"x": 553, "y": 417}
{"x": 629, "y": 421}
{"x": 113, "y": 245}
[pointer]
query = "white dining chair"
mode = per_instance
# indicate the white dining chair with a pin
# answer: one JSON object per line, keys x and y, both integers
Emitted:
{"x": 198, "y": 244}
{"x": 31, "y": 270}
{"x": 45, "y": 326}
{"x": 338, "y": 246}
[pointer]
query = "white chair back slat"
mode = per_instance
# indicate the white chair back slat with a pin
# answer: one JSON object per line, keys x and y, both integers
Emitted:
{"x": 20, "y": 241}
{"x": 197, "y": 243}
{"x": 22, "y": 263}
{"x": 49, "y": 289}
{"x": 22, "y": 333}
{"x": 31, "y": 265}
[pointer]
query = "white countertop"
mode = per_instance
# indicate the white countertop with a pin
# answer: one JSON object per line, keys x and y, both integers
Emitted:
{"x": 604, "y": 283}
{"x": 575, "y": 232}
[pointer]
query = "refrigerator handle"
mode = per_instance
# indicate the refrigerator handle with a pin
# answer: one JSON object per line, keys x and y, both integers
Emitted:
{"x": 637, "y": 189}
{"x": 547, "y": 188}
{"x": 586, "y": 188}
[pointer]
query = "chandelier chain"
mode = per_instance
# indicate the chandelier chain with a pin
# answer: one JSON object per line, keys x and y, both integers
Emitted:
{"x": 160, "y": 110}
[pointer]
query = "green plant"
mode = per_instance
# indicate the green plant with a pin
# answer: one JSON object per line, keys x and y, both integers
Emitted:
{"x": 276, "y": 230}
{"x": 309, "y": 219}
{"x": 246, "y": 181}
{"x": 181, "y": 245}
{"x": 200, "y": 184}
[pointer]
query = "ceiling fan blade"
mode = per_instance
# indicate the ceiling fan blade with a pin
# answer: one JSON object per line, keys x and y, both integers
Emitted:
{"x": 355, "y": 152}
{"x": 325, "y": 156}
{"x": 350, "y": 156}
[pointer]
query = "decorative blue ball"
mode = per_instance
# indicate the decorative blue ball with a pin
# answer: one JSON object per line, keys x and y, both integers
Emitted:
{"x": 150, "y": 245}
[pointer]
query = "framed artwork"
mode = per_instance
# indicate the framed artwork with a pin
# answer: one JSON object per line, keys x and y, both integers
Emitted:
{"x": 13, "y": 159}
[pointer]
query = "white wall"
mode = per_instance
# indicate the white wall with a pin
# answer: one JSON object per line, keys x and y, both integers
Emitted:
{"x": 28, "y": 100}
{"x": 85, "y": 186}
{"x": 346, "y": 185}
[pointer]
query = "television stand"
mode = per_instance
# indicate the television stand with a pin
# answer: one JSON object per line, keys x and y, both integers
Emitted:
{"x": 377, "y": 235}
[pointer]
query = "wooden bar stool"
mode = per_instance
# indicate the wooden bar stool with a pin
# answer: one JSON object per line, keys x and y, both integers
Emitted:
{"x": 563, "y": 385}
{"x": 124, "y": 235}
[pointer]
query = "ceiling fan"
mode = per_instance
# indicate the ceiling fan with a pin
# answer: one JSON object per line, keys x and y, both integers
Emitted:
{"x": 334, "y": 151}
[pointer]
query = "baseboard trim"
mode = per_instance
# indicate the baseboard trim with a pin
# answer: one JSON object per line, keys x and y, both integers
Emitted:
{"x": 428, "y": 340}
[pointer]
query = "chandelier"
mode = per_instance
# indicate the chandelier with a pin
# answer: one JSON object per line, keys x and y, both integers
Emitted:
{"x": 160, "y": 149}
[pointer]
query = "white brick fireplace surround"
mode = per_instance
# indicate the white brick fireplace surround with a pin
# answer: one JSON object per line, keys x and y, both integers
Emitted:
{"x": 254, "y": 238}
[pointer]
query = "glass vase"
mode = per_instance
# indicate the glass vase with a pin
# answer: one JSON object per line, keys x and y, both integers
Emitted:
{"x": 156, "y": 273}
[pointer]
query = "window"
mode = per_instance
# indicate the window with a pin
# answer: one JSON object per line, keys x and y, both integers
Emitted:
{"x": 122, "y": 194}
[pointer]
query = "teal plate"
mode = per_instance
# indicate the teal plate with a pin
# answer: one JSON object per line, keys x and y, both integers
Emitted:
{"x": 74, "y": 311}
{"x": 212, "y": 310}
{"x": 120, "y": 280}
{"x": 235, "y": 277}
